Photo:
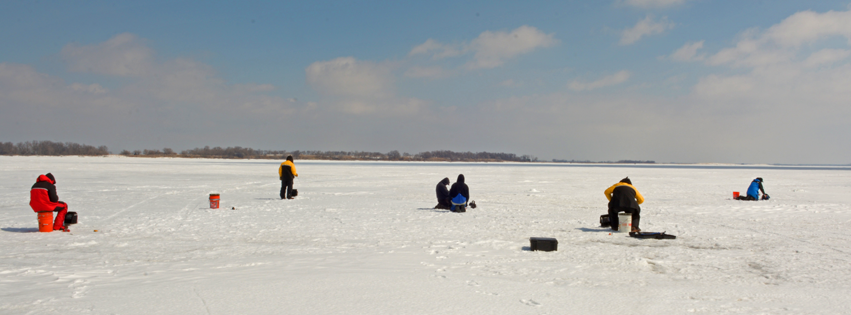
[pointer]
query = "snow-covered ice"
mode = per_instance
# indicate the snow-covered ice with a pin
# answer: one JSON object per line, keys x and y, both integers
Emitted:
{"x": 362, "y": 238}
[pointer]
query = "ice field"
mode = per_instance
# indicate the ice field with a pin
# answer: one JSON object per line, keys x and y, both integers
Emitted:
{"x": 362, "y": 238}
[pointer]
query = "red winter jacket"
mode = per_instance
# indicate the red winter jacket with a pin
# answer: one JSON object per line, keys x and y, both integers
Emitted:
{"x": 43, "y": 195}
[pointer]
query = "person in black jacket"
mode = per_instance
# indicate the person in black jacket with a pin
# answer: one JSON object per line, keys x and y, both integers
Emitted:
{"x": 287, "y": 172}
{"x": 623, "y": 197}
{"x": 443, "y": 200}
{"x": 459, "y": 194}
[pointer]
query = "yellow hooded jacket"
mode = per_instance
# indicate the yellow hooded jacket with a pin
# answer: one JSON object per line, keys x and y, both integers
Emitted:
{"x": 610, "y": 190}
{"x": 292, "y": 168}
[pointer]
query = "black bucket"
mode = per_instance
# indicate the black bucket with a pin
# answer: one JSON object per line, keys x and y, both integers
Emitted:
{"x": 70, "y": 218}
{"x": 604, "y": 221}
{"x": 295, "y": 192}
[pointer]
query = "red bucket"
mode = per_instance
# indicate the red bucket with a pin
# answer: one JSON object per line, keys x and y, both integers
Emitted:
{"x": 45, "y": 221}
{"x": 214, "y": 201}
{"x": 735, "y": 195}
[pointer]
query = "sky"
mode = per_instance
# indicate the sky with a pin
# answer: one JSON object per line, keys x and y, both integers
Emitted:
{"x": 686, "y": 81}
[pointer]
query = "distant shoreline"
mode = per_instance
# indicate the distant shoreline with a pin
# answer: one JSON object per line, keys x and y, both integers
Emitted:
{"x": 839, "y": 167}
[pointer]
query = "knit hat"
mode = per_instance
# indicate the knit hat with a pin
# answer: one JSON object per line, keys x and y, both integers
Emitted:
{"x": 626, "y": 180}
{"x": 49, "y": 175}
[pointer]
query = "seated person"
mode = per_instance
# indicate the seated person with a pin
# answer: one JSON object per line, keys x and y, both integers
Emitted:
{"x": 443, "y": 200}
{"x": 623, "y": 197}
{"x": 43, "y": 198}
{"x": 459, "y": 194}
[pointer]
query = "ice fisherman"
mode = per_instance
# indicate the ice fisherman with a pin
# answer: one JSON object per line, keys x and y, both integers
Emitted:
{"x": 287, "y": 172}
{"x": 443, "y": 200}
{"x": 459, "y": 194}
{"x": 43, "y": 198}
{"x": 623, "y": 197}
{"x": 753, "y": 191}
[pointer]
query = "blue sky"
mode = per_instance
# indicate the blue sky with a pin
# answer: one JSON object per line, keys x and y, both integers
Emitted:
{"x": 663, "y": 80}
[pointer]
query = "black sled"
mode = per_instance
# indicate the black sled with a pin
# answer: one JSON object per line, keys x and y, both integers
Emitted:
{"x": 656, "y": 235}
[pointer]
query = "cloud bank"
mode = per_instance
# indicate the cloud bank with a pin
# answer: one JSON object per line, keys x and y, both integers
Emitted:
{"x": 490, "y": 49}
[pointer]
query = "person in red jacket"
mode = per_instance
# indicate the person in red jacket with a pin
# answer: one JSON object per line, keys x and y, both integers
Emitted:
{"x": 43, "y": 198}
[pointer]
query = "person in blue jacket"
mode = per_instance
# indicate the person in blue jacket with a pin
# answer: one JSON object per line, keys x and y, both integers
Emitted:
{"x": 459, "y": 194}
{"x": 753, "y": 191}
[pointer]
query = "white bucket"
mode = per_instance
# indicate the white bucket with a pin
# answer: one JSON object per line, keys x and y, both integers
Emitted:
{"x": 624, "y": 222}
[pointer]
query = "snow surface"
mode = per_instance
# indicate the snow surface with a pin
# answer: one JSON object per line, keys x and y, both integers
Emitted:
{"x": 362, "y": 238}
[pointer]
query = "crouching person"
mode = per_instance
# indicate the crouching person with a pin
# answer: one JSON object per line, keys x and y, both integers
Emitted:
{"x": 43, "y": 198}
{"x": 623, "y": 197}
{"x": 443, "y": 200}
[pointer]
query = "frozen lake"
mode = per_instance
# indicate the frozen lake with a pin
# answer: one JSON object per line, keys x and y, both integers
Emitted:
{"x": 362, "y": 238}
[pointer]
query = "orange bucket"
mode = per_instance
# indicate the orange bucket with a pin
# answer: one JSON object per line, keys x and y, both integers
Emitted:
{"x": 735, "y": 194}
{"x": 45, "y": 221}
{"x": 214, "y": 201}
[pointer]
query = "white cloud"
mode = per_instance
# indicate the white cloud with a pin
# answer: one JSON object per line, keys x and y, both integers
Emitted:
{"x": 609, "y": 80}
{"x": 730, "y": 87}
{"x": 492, "y": 49}
{"x": 436, "y": 49}
{"x": 688, "y": 52}
{"x": 359, "y": 87}
{"x": 489, "y": 49}
{"x": 792, "y": 76}
{"x": 781, "y": 42}
{"x": 427, "y": 72}
{"x": 653, "y": 3}
{"x": 808, "y": 26}
{"x": 645, "y": 27}
{"x": 346, "y": 76}
{"x": 826, "y": 57}
{"x": 123, "y": 55}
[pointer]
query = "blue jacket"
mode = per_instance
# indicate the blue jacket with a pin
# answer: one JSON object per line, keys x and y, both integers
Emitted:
{"x": 755, "y": 188}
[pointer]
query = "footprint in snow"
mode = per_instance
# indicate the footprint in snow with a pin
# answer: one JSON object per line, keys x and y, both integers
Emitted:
{"x": 530, "y": 302}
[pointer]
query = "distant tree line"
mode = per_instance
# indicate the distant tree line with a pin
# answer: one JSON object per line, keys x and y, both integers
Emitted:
{"x": 618, "y": 162}
{"x": 249, "y": 153}
{"x": 51, "y": 148}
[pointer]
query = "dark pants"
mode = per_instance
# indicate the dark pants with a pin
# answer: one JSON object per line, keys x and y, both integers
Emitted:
{"x": 443, "y": 204}
{"x": 746, "y": 198}
{"x": 286, "y": 188}
{"x": 60, "y": 216}
{"x": 613, "y": 217}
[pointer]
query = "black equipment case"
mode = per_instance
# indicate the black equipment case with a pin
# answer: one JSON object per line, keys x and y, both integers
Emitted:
{"x": 546, "y": 244}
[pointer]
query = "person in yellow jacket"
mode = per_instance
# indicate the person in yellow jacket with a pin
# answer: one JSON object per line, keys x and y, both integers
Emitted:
{"x": 624, "y": 197}
{"x": 287, "y": 172}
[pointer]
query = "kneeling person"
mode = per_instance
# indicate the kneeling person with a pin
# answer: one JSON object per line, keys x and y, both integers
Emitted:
{"x": 459, "y": 194}
{"x": 623, "y": 197}
{"x": 443, "y": 200}
{"x": 753, "y": 191}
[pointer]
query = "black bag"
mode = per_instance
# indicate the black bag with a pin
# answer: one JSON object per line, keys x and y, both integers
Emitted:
{"x": 546, "y": 244}
{"x": 70, "y": 218}
{"x": 295, "y": 192}
{"x": 604, "y": 221}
